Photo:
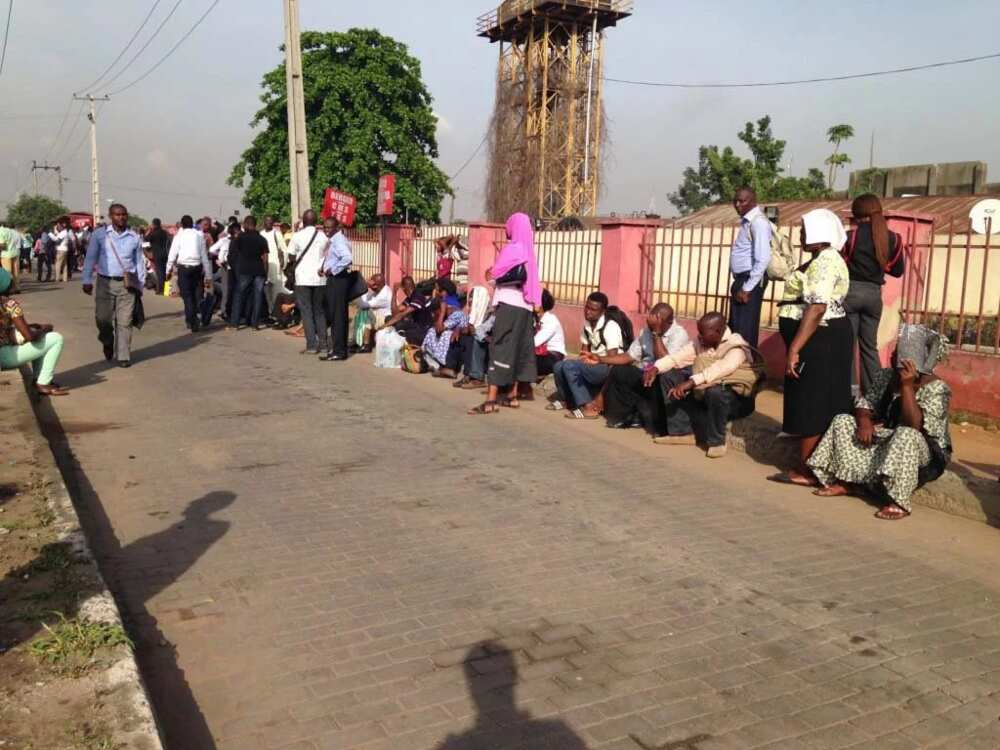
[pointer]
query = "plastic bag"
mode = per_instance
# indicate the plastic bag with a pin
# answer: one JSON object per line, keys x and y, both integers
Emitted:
{"x": 389, "y": 349}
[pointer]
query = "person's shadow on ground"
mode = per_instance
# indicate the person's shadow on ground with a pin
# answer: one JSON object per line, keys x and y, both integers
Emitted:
{"x": 499, "y": 722}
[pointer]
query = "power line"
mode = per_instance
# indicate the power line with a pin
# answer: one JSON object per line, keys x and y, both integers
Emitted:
{"x": 69, "y": 135}
{"x": 169, "y": 52}
{"x": 6, "y": 35}
{"x": 158, "y": 192}
{"x": 121, "y": 54}
{"x": 149, "y": 41}
{"x": 825, "y": 79}
{"x": 474, "y": 155}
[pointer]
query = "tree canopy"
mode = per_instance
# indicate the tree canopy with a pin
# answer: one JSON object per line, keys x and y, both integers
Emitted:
{"x": 368, "y": 112}
{"x": 34, "y": 211}
{"x": 720, "y": 173}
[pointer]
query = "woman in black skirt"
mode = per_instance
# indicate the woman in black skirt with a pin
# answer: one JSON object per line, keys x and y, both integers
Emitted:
{"x": 819, "y": 339}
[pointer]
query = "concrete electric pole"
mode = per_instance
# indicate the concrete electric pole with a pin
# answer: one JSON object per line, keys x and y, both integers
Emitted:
{"x": 95, "y": 182}
{"x": 298, "y": 154}
{"x": 35, "y": 167}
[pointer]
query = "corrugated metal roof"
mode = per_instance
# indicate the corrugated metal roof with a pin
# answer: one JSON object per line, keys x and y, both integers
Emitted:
{"x": 942, "y": 208}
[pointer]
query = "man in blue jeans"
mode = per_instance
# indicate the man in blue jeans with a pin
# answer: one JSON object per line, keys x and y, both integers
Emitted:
{"x": 751, "y": 252}
{"x": 581, "y": 381}
{"x": 248, "y": 256}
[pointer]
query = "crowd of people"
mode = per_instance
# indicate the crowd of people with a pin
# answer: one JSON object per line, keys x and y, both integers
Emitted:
{"x": 884, "y": 429}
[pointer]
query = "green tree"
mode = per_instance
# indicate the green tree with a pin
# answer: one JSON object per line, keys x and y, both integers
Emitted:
{"x": 368, "y": 112}
{"x": 837, "y": 134}
{"x": 720, "y": 172}
{"x": 871, "y": 180}
{"x": 34, "y": 211}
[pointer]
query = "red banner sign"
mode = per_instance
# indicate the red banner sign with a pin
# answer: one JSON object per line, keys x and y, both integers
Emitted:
{"x": 341, "y": 206}
{"x": 386, "y": 194}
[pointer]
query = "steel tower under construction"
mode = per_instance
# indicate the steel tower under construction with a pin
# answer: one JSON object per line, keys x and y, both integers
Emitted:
{"x": 548, "y": 123}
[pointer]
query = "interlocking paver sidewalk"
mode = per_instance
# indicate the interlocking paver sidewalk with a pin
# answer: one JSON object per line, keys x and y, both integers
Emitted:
{"x": 319, "y": 556}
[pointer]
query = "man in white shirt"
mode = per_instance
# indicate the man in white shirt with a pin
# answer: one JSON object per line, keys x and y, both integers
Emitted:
{"x": 628, "y": 402}
{"x": 275, "y": 261}
{"x": 306, "y": 253}
{"x": 580, "y": 381}
{"x": 748, "y": 259}
{"x": 377, "y": 303}
{"x": 550, "y": 334}
{"x": 62, "y": 237}
{"x": 189, "y": 256}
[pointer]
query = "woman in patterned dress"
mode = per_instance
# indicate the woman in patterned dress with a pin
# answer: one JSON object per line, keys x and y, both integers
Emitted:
{"x": 820, "y": 343}
{"x": 896, "y": 441}
{"x": 21, "y": 342}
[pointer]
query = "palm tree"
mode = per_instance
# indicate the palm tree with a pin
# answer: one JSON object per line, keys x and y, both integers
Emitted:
{"x": 837, "y": 134}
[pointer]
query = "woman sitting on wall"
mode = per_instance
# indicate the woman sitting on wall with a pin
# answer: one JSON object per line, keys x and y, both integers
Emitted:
{"x": 897, "y": 440}
{"x": 21, "y": 342}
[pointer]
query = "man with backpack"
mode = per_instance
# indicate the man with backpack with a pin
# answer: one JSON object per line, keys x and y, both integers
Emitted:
{"x": 607, "y": 331}
{"x": 748, "y": 262}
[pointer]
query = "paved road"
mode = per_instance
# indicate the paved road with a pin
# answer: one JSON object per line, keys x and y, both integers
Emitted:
{"x": 325, "y": 557}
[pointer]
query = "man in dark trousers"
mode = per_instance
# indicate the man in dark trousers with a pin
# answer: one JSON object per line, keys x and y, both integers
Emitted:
{"x": 337, "y": 269}
{"x": 248, "y": 256}
{"x": 189, "y": 255}
{"x": 159, "y": 246}
{"x": 748, "y": 261}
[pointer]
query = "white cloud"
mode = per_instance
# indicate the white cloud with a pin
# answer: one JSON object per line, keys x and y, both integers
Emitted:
{"x": 158, "y": 159}
{"x": 444, "y": 127}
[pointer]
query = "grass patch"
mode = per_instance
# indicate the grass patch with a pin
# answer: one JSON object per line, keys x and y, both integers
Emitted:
{"x": 90, "y": 737}
{"x": 69, "y": 646}
{"x": 53, "y": 557}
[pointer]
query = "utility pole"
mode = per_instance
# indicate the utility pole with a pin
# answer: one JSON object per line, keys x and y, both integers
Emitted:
{"x": 95, "y": 182}
{"x": 298, "y": 154}
{"x": 35, "y": 167}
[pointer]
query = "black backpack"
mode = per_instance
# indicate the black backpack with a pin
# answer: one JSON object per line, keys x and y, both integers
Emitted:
{"x": 618, "y": 315}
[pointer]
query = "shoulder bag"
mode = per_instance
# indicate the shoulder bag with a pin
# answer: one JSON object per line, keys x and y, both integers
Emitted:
{"x": 290, "y": 268}
{"x": 131, "y": 278}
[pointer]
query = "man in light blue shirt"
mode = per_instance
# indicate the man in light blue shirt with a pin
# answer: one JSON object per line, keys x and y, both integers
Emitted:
{"x": 113, "y": 252}
{"x": 337, "y": 269}
{"x": 748, "y": 262}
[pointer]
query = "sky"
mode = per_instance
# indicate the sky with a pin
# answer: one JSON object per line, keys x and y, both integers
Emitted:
{"x": 167, "y": 145}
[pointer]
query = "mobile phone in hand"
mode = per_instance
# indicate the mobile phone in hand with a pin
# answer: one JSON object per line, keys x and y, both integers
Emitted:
{"x": 799, "y": 367}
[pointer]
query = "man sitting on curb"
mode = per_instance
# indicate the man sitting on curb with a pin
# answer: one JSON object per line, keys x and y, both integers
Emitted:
{"x": 581, "y": 381}
{"x": 721, "y": 388}
{"x": 627, "y": 400}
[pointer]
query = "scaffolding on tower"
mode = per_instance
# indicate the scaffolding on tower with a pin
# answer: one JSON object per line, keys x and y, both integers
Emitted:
{"x": 548, "y": 128}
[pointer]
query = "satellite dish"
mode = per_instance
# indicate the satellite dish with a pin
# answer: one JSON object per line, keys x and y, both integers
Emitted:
{"x": 986, "y": 214}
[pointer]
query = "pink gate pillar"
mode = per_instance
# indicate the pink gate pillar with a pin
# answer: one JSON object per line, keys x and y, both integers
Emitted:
{"x": 907, "y": 293}
{"x": 484, "y": 239}
{"x": 399, "y": 244}
{"x": 626, "y": 269}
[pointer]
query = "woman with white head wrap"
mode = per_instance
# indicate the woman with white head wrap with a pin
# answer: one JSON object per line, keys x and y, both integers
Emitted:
{"x": 818, "y": 336}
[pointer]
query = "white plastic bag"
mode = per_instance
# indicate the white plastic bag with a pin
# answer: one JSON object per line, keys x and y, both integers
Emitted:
{"x": 389, "y": 349}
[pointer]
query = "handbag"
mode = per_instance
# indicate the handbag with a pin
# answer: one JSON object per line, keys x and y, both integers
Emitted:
{"x": 138, "y": 313}
{"x": 290, "y": 268}
{"x": 413, "y": 360}
{"x": 517, "y": 276}
{"x": 130, "y": 278}
{"x": 357, "y": 286}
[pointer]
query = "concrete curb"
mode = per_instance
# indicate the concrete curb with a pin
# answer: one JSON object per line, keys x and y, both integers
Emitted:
{"x": 123, "y": 676}
{"x": 969, "y": 497}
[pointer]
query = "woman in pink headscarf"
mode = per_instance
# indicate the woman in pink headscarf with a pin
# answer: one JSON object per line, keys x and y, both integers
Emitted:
{"x": 518, "y": 291}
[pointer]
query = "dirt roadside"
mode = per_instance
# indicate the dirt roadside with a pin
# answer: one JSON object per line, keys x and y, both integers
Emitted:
{"x": 68, "y": 680}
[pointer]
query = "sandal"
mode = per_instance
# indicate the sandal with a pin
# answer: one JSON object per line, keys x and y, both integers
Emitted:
{"x": 472, "y": 385}
{"x": 834, "y": 490}
{"x": 798, "y": 481}
{"x": 580, "y": 414}
{"x": 50, "y": 390}
{"x": 892, "y": 513}
{"x": 487, "y": 407}
{"x": 509, "y": 403}
{"x": 460, "y": 383}
{"x": 555, "y": 406}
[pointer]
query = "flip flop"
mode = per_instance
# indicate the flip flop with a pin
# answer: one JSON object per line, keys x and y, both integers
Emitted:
{"x": 487, "y": 407}
{"x": 509, "y": 403}
{"x": 578, "y": 414}
{"x": 555, "y": 406}
{"x": 892, "y": 513}
{"x": 784, "y": 478}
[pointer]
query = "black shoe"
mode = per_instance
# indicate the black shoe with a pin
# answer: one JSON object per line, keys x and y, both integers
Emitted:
{"x": 109, "y": 353}
{"x": 124, "y": 363}
{"x": 365, "y": 350}
{"x": 336, "y": 358}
